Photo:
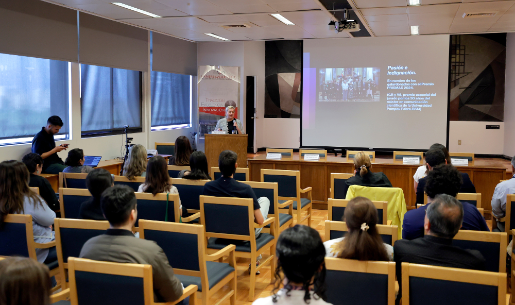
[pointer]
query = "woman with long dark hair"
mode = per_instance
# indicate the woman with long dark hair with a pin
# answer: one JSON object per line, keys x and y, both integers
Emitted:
{"x": 75, "y": 162}
{"x": 34, "y": 164}
{"x": 300, "y": 258}
{"x": 157, "y": 179}
{"x": 198, "y": 165}
{"x": 182, "y": 152}
{"x": 362, "y": 241}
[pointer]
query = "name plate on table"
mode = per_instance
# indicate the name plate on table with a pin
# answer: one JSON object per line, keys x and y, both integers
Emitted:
{"x": 460, "y": 162}
{"x": 274, "y": 156}
{"x": 410, "y": 160}
{"x": 311, "y": 157}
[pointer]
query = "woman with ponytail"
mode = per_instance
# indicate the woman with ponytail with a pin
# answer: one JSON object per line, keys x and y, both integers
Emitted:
{"x": 362, "y": 241}
{"x": 363, "y": 176}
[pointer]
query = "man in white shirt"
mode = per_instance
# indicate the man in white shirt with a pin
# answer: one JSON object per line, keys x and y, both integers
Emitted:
{"x": 345, "y": 89}
{"x": 499, "y": 198}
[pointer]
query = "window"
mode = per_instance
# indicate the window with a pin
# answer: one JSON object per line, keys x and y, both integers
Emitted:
{"x": 32, "y": 90}
{"x": 110, "y": 99}
{"x": 171, "y": 100}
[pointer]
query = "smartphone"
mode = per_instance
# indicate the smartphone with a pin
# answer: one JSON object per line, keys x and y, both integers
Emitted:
{"x": 65, "y": 145}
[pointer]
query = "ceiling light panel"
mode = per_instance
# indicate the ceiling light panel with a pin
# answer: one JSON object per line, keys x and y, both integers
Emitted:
{"x": 282, "y": 19}
{"x": 135, "y": 9}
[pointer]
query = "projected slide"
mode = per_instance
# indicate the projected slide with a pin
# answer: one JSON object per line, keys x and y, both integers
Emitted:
{"x": 379, "y": 92}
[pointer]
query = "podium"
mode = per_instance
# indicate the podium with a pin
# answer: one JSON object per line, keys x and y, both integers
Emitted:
{"x": 216, "y": 143}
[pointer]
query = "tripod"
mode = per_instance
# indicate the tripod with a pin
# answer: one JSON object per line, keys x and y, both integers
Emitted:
{"x": 127, "y": 146}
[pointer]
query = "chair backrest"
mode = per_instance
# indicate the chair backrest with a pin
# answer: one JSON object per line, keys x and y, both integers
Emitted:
{"x": 189, "y": 192}
{"x": 359, "y": 282}
{"x": 492, "y": 246}
{"x": 16, "y": 236}
{"x": 336, "y": 208}
{"x": 472, "y": 198}
{"x": 468, "y": 156}
{"x": 134, "y": 183}
{"x": 165, "y": 148}
{"x": 288, "y": 182}
{"x": 152, "y": 207}
{"x": 72, "y": 180}
{"x": 174, "y": 170}
{"x": 35, "y": 189}
{"x": 338, "y": 185}
{"x": 399, "y": 155}
{"x": 106, "y": 283}
{"x": 322, "y": 153}
{"x": 268, "y": 190}
{"x": 286, "y": 154}
{"x": 337, "y": 229}
{"x": 510, "y": 216}
{"x": 423, "y": 284}
{"x": 352, "y": 153}
{"x": 242, "y": 173}
{"x": 70, "y": 201}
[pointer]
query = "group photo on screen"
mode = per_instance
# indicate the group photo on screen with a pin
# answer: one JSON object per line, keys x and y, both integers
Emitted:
{"x": 348, "y": 84}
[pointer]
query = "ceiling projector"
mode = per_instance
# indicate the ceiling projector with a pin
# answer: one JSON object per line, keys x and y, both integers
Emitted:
{"x": 344, "y": 26}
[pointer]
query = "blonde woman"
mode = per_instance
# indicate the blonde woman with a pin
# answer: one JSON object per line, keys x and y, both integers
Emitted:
{"x": 136, "y": 163}
{"x": 363, "y": 175}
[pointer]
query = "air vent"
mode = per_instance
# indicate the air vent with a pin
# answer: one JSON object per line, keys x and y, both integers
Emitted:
{"x": 235, "y": 25}
{"x": 479, "y": 15}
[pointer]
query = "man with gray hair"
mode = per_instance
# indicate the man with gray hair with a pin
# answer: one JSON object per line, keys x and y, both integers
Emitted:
{"x": 230, "y": 124}
{"x": 499, "y": 198}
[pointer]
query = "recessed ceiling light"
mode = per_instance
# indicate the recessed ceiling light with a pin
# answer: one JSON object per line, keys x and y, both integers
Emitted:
{"x": 282, "y": 19}
{"x": 414, "y": 2}
{"x": 136, "y": 9}
{"x": 216, "y": 36}
{"x": 414, "y": 30}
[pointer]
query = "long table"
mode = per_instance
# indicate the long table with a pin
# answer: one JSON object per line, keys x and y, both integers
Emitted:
{"x": 317, "y": 174}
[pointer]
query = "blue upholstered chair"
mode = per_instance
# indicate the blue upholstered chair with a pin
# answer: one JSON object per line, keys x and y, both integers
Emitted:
{"x": 269, "y": 190}
{"x": 70, "y": 201}
{"x": 161, "y": 207}
{"x": 492, "y": 246}
{"x": 352, "y": 153}
{"x": 425, "y": 285}
{"x": 338, "y": 181}
{"x": 174, "y": 170}
{"x": 322, "y": 153}
{"x": 351, "y": 281}
{"x": 72, "y": 180}
{"x": 231, "y": 221}
{"x": 242, "y": 173}
{"x": 509, "y": 218}
{"x": 106, "y": 283}
{"x": 289, "y": 189}
{"x": 286, "y": 154}
{"x": 189, "y": 192}
{"x": 70, "y": 236}
{"x": 336, "y": 208}
{"x": 337, "y": 229}
{"x": 185, "y": 247}
{"x": 134, "y": 183}
{"x": 165, "y": 148}
{"x": 398, "y": 156}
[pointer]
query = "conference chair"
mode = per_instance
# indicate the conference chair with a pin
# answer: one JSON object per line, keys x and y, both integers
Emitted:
{"x": 165, "y": 148}
{"x": 134, "y": 183}
{"x": 269, "y": 190}
{"x": 289, "y": 189}
{"x": 231, "y": 221}
{"x": 350, "y": 282}
{"x": 472, "y": 198}
{"x": 161, "y": 207}
{"x": 336, "y": 208}
{"x": 72, "y": 180}
{"x": 174, "y": 170}
{"x": 189, "y": 192}
{"x": 509, "y": 218}
{"x": 70, "y": 201}
{"x": 468, "y": 156}
{"x": 352, "y": 153}
{"x": 34, "y": 189}
{"x": 492, "y": 246}
{"x": 70, "y": 236}
{"x": 242, "y": 173}
{"x": 399, "y": 155}
{"x": 107, "y": 283}
{"x": 286, "y": 154}
{"x": 322, "y": 153}
{"x": 185, "y": 247}
{"x": 338, "y": 181}
{"x": 423, "y": 284}
{"x": 336, "y": 229}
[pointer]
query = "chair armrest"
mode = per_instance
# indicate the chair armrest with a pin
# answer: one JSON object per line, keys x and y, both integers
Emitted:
{"x": 308, "y": 189}
{"x": 187, "y": 292}
{"x": 218, "y": 254}
{"x": 45, "y": 245}
{"x": 191, "y": 217}
{"x": 60, "y": 296}
{"x": 286, "y": 204}
{"x": 266, "y": 223}
{"x": 388, "y": 222}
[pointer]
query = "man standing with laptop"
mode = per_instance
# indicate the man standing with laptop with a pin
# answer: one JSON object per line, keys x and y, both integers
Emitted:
{"x": 44, "y": 145}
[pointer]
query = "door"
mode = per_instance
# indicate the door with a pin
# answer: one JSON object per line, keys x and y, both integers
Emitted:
{"x": 250, "y": 106}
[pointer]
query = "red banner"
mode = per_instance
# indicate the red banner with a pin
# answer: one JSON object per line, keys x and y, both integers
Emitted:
{"x": 216, "y": 110}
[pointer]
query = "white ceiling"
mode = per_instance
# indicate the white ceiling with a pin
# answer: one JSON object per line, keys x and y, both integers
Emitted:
{"x": 190, "y": 19}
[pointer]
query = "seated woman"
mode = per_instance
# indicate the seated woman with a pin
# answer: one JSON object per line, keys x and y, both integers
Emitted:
{"x": 362, "y": 241}
{"x": 17, "y": 198}
{"x": 136, "y": 163}
{"x": 75, "y": 162}
{"x": 97, "y": 181}
{"x": 34, "y": 164}
{"x": 422, "y": 169}
{"x": 363, "y": 175}
{"x": 198, "y": 166}
{"x": 300, "y": 258}
{"x": 182, "y": 152}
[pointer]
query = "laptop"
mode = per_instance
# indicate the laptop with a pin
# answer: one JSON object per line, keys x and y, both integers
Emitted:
{"x": 91, "y": 161}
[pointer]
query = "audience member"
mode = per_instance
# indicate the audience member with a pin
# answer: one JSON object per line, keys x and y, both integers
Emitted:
{"x": 157, "y": 179}
{"x": 182, "y": 152}
{"x": 34, "y": 164}
{"x": 43, "y": 144}
{"x": 300, "y": 258}
{"x": 363, "y": 175}
{"x": 422, "y": 169}
{"x": 23, "y": 281}
{"x": 442, "y": 222}
{"x": 97, "y": 181}
{"x": 362, "y": 241}
{"x": 136, "y": 163}
{"x": 17, "y": 198}
{"x": 499, "y": 198}
{"x": 443, "y": 179}
{"x": 75, "y": 162}
{"x": 198, "y": 165}
{"x": 434, "y": 157}
{"x": 119, "y": 245}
